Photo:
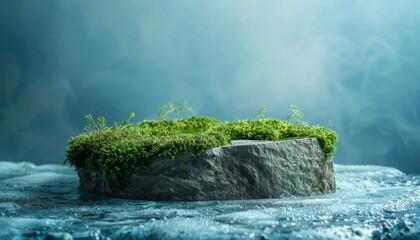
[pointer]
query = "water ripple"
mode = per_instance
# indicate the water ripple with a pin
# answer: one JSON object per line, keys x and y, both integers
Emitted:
{"x": 370, "y": 202}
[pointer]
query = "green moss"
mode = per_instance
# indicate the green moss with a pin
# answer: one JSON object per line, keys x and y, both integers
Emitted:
{"x": 121, "y": 150}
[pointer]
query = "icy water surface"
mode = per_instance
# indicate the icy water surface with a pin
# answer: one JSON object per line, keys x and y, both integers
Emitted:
{"x": 371, "y": 202}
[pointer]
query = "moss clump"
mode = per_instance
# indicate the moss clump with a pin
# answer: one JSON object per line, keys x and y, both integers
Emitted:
{"x": 121, "y": 150}
{"x": 275, "y": 129}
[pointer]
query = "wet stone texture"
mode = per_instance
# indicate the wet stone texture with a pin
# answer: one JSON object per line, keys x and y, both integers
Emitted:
{"x": 244, "y": 170}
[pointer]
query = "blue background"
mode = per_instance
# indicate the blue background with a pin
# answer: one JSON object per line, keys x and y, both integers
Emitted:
{"x": 356, "y": 63}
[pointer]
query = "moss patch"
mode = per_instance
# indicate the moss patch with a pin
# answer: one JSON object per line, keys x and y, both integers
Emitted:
{"x": 121, "y": 150}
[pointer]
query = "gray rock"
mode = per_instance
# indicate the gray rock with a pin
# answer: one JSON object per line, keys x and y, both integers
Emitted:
{"x": 244, "y": 170}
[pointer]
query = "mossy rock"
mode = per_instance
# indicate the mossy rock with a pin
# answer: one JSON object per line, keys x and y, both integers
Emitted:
{"x": 120, "y": 152}
{"x": 243, "y": 170}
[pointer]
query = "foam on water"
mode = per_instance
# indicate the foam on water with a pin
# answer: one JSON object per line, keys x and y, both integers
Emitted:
{"x": 370, "y": 202}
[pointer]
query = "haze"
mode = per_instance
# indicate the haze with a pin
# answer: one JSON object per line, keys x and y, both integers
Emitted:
{"x": 356, "y": 63}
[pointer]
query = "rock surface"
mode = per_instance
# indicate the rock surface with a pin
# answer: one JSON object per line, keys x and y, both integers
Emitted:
{"x": 244, "y": 170}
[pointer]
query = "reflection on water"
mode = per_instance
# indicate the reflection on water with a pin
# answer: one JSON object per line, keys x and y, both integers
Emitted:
{"x": 43, "y": 202}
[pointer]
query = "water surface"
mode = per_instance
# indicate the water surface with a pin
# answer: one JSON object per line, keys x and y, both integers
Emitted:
{"x": 376, "y": 202}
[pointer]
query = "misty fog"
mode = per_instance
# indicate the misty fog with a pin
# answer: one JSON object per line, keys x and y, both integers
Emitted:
{"x": 356, "y": 63}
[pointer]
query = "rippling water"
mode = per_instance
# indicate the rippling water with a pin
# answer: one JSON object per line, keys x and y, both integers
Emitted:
{"x": 43, "y": 202}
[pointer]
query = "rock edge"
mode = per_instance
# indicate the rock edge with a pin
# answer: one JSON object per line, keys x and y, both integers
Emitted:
{"x": 243, "y": 170}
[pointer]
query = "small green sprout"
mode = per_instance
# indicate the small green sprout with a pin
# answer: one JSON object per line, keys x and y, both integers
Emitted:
{"x": 261, "y": 113}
